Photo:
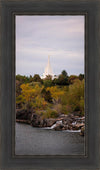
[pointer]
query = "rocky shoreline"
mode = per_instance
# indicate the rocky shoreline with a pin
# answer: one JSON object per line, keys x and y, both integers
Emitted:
{"x": 63, "y": 122}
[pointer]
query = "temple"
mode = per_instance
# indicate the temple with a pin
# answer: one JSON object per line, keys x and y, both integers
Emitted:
{"x": 48, "y": 70}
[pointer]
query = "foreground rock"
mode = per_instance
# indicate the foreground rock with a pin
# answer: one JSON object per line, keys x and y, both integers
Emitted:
{"x": 37, "y": 121}
{"x": 63, "y": 122}
{"x": 59, "y": 127}
{"x": 82, "y": 131}
{"x": 23, "y": 116}
{"x": 23, "y": 121}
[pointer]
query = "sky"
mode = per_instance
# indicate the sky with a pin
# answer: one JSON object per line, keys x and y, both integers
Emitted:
{"x": 61, "y": 37}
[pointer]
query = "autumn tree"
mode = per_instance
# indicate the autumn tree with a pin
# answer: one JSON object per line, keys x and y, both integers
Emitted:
{"x": 75, "y": 97}
{"x": 46, "y": 95}
{"x": 31, "y": 96}
{"x": 72, "y": 79}
{"x": 56, "y": 93}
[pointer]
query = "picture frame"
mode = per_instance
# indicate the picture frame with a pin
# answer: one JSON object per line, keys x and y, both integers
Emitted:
{"x": 9, "y": 8}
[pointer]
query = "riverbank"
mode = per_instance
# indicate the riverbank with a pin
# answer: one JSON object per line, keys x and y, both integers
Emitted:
{"x": 62, "y": 122}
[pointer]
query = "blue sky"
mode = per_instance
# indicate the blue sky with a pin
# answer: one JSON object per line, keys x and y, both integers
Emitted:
{"x": 61, "y": 37}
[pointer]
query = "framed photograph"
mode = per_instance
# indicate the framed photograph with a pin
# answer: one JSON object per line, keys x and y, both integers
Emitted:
{"x": 49, "y": 84}
{"x": 51, "y": 100}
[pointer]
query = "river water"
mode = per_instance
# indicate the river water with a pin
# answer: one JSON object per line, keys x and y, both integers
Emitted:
{"x": 38, "y": 141}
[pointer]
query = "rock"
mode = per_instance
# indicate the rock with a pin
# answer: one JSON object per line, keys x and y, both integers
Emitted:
{"x": 63, "y": 116}
{"x": 65, "y": 127}
{"x": 70, "y": 128}
{"x": 76, "y": 117}
{"x": 79, "y": 125}
{"x": 58, "y": 127}
{"x": 50, "y": 122}
{"x": 79, "y": 121}
{"x": 36, "y": 120}
{"x": 23, "y": 114}
{"x": 23, "y": 121}
{"x": 63, "y": 122}
{"x": 77, "y": 113}
{"x": 82, "y": 131}
{"x": 75, "y": 128}
{"x": 67, "y": 121}
{"x": 44, "y": 123}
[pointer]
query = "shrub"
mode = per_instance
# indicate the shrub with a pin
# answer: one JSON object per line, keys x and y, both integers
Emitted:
{"x": 49, "y": 113}
{"x": 53, "y": 114}
{"x": 47, "y": 83}
{"x": 47, "y": 95}
{"x": 58, "y": 108}
{"x": 75, "y": 97}
{"x": 66, "y": 109}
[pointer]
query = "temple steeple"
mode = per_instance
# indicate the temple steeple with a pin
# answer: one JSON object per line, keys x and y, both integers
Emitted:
{"x": 48, "y": 69}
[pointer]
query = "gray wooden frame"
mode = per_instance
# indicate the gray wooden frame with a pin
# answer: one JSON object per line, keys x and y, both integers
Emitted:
{"x": 9, "y": 8}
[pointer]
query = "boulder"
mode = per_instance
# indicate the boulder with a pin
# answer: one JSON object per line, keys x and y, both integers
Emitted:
{"x": 23, "y": 114}
{"x": 23, "y": 121}
{"x": 79, "y": 125}
{"x": 50, "y": 122}
{"x": 82, "y": 131}
{"x": 70, "y": 128}
{"x": 63, "y": 122}
{"x": 36, "y": 120}
{"x": 65, "y": 127}
{"x": 58, "y": 127}
{"x": 67, "y": 121}
{"x": 75, "y": 128}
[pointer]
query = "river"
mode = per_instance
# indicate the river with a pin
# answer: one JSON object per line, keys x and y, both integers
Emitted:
{"x": 38, "y": 141}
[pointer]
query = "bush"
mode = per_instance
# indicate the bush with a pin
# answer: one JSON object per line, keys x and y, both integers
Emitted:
{"x": 51, "y": 99}
{"x": 47, "y": 83}
{"x": 75, "y": 97}
{"x": 66, "y": 109}
{"x": 49, "y": 113}
{"x": 37, "y": 78}
{"x": 46, "y": 95}
{"x": 53, "y": 114}
{"x": 58, "y": 108}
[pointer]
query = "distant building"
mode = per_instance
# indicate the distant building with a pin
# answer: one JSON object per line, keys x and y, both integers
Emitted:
{"x": 48, "y": 71}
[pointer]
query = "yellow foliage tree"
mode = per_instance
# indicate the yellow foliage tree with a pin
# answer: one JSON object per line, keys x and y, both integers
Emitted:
{"x": 75, "y": 96}
{"x": 31, "y": 95}
{"x": 56, "y": 93}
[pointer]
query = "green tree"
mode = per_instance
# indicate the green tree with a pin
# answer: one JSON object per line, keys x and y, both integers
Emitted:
{"x": 47, "y": 82}
{"x": 56, "y": 94}
{"x": 75, "y": 97}
{"x": 48, "y": 77}
{"x": 37, "y": 78}
{"x": 46, "y": 95}
{"x": 81, "y": 76}
{"x": 62, "y": 80}
{"x": 72, "y": 79}
{"x": 64, "y": 73}
{"x": 55, "y": 81}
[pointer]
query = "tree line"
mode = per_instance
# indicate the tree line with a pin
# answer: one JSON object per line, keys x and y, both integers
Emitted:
{"x": 62, "y": 79}
{"x": 62, "y": 95}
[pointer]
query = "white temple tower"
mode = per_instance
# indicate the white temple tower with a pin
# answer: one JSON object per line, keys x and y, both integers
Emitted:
{"x": 48, "y": 70}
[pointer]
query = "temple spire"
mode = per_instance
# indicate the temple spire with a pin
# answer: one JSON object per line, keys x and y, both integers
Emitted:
{"x": 48, "y": 58}
{"x": 48, "y": 69}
